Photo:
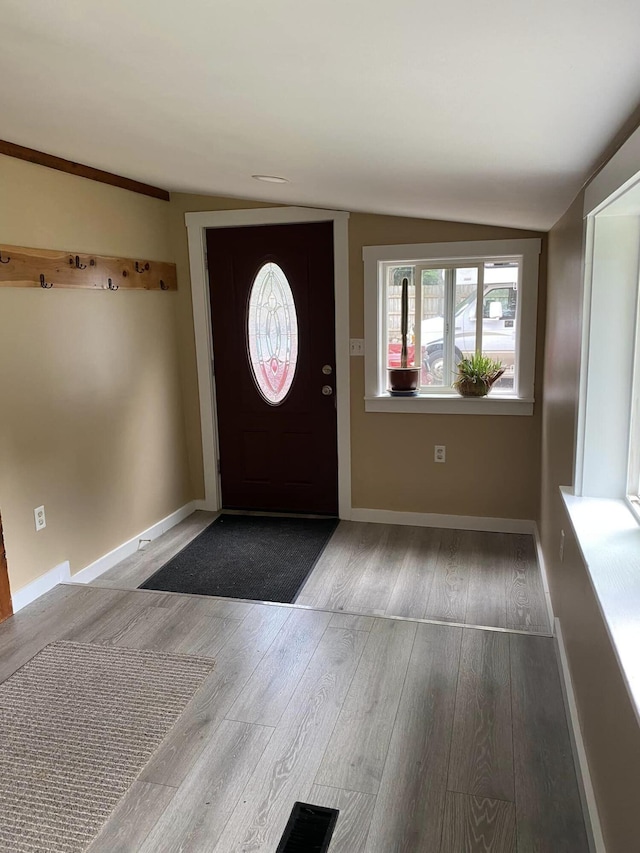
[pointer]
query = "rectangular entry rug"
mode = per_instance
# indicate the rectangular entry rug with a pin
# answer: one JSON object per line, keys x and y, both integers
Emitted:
{"x": 77, "y": 725}
{"x": 263, "y": 558}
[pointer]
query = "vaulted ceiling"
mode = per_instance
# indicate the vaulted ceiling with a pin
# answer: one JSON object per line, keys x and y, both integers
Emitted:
{"x": 459, "y": 110}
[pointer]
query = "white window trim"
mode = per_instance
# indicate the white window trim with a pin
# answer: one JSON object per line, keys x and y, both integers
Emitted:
{"x": 605, "y": 525}
{"x": 378, "y": 400}
{"x": 608, "y": 342}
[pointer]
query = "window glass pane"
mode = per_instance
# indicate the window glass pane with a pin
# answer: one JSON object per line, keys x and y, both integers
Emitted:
{"x": 499, "y": 310}
{"x": 394, "y": 316}
{"x": 272, "y": 331}
{"x": 466, "y": 296}
{"x": 433, "y": 324}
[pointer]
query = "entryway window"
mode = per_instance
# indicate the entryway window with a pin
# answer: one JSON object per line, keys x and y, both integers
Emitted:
{"x": 454, "y": 311}
{"x": 463, "y": 299}
{"x": 633, "y": 470}
{"x": 603, "y": 505}
{"x": 608, "y": 446}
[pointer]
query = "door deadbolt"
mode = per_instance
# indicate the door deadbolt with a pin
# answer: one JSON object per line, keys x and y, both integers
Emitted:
{"x": 327, "y": 370}
{"x": 327, "y": 390}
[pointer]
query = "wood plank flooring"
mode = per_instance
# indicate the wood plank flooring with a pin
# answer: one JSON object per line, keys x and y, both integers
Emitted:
{"x": 477, "y": 825}
{"x": 457, "y": 576}
{"x": 427, "y": 737}
{"x": 482, "y": 753}
{"x": 355, "y": 757}
{"x": 411, "y": 798}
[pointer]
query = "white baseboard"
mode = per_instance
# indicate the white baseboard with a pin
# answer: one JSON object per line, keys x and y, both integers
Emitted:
{"x": 39, "y": 586}
{"x": 587, "y": 796}
{"x": 207, "y": 506}
{"x": 543, "y": 571}
{"x": 108, "y": 561}
{"x": 452, "y": 522}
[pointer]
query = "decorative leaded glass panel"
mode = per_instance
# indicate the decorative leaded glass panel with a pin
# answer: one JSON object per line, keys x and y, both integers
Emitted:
{"x": 272, "y": 330}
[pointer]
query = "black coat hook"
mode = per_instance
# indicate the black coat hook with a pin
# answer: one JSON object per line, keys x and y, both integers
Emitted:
{"x": 112, "y": 286}
{"x": 142, "y": 267}
{"x": 78, "y": 265}
{"x": 163, "y": 286}
{"x": 4, "y": 260}
{"x": 46, "y": 284}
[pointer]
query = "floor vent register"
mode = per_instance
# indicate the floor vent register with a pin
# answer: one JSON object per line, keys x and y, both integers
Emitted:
{"x": 308, "y": 830}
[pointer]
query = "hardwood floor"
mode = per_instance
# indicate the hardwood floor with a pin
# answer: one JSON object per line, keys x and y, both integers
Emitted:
{"x": 455, "y": 576}
{"x": 458, "y": 576}
{"x": 429, "y": 738}
{"x": 481, "y": 761}
{"x": 477, "y": 825}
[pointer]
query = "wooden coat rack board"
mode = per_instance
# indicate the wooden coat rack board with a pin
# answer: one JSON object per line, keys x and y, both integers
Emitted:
{"x": 21, "y": 267}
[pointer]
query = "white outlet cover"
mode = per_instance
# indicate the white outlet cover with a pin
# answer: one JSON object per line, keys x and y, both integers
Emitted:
{"x": 40, "y": 518}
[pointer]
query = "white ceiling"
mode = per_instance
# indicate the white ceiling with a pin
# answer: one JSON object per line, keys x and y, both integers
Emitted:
{"x": 453, "y": 110}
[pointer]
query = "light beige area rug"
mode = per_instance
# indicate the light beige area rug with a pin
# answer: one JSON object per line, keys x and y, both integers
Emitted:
{"x": 77, "y": 725}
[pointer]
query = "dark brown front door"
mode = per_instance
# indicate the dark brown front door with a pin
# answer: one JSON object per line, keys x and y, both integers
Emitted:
{"x": 273, "y": 324}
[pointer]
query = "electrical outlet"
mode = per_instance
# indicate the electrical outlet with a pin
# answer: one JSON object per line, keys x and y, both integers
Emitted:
{"x": 356, "y": 346}
{"x": 562, "y": 546}
{"x": 439, "y": 453}
{"x": 41, "y": 521}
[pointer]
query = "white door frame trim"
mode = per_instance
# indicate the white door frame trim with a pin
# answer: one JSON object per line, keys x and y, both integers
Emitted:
{"x": 197, "y": 225}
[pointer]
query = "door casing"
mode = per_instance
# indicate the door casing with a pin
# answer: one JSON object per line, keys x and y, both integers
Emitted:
{"x": 197, "y": 225}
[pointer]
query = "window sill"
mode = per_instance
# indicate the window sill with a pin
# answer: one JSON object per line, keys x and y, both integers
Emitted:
{"x": 608, "y": 536}
{"x": 450, "y": 404}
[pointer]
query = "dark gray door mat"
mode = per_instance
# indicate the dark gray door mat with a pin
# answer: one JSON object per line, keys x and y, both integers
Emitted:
{"x": 262, "y": 558}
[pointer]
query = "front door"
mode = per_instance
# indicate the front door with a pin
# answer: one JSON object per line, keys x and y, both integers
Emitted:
{"x": 273, "y": 325}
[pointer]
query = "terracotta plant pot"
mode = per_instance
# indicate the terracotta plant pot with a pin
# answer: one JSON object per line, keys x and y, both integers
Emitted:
{"x": 404, "y": 381}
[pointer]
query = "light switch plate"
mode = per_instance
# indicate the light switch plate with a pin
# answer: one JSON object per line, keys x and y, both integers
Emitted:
{"x": 356, "y": 346}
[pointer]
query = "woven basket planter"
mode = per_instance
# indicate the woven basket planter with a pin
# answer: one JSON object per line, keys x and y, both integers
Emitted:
{"x": 469, "y": 388}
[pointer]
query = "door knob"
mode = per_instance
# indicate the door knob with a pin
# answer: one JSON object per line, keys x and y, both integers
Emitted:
{"x": 327, "y": 390}
{"x": 327, "y": 370}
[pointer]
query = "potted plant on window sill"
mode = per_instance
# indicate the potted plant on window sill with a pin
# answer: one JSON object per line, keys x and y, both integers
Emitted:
{"x": 477, "y": 375}
{"x": 404, "y": 380}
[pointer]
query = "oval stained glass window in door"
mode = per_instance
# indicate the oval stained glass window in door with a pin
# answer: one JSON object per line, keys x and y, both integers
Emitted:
{"x": 272, "y": 331}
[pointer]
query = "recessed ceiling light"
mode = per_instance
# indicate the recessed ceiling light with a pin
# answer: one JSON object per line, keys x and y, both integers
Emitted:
{"x": 270, "y": 179}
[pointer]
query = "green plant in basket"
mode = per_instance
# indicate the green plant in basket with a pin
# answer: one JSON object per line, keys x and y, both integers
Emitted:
{"x": 476, "y": 375}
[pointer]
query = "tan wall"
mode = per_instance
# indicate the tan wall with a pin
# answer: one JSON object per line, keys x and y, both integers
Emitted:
{"x": 91, "y": 419}
{"x": 609, "y": 726}
{"x": 492, "y": 464}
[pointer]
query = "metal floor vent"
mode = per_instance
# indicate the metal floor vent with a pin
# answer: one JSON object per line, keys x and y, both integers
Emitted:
{"x": 308, "y": 830}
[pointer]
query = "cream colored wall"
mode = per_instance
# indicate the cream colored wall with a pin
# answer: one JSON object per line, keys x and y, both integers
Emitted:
{"x": 608, "y": 723}
{"x": 492, "y": 464}
{"x": 91, "y": 419}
